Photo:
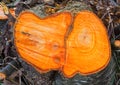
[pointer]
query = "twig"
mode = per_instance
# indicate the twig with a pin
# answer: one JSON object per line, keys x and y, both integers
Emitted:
{"x": 9, "y": 69}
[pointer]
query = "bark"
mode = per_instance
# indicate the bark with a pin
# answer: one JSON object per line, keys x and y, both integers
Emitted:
{"x": 9, "y": 69}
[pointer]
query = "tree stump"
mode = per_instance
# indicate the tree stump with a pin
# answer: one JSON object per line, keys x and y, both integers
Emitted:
{"x": 95, "y": 79}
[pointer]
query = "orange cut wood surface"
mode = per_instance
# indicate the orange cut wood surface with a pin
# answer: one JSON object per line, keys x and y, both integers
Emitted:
{"x": 40, "y": 42}
{"x": 88, "y": 49}
{"x": 58, "y": 43}
{"x": 117, "y": 43}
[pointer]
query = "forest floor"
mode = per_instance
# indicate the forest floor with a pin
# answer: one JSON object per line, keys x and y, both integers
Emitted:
{"x": 107, "y": 10}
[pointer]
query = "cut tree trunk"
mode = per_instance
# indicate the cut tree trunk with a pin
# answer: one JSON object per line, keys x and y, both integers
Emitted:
{"x": 72, "y": 7}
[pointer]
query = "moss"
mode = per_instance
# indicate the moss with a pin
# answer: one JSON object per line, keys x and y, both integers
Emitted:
{"x": 75, "y": 6}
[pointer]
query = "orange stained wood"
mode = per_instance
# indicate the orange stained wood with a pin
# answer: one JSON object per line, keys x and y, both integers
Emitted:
{"x": 12, "y": 11}
{"x": 117, "y": 43}
{"x": 40, "y": 42}
{"x": 47, "y": 45}
{"x": 88, "y": 49}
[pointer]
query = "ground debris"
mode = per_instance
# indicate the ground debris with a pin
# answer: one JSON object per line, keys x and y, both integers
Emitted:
{"x": 107, "y": 10}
